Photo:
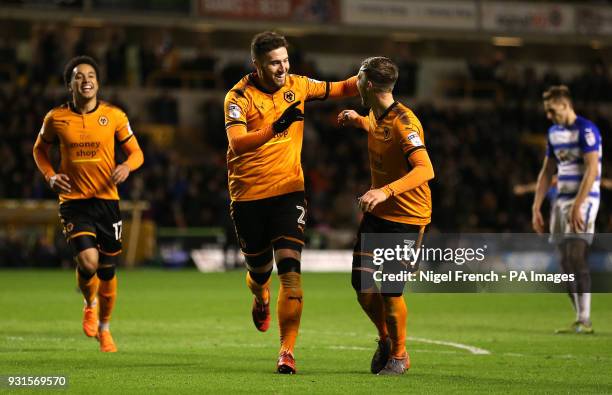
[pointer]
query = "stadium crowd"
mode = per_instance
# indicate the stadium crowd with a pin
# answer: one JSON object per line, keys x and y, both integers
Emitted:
{"x": 479, "y": 154}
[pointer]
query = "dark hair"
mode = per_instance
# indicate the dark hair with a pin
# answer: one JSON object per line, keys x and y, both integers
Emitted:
{"x": 265, "y": 42}
{"x": 381, "y": 71}
{"x": 74, "y": 62}
{"x": 557, "y": 92}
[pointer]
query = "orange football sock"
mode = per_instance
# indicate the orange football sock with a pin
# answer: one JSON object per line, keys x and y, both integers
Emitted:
{"x": 289, "y": 309}
{"x": 88, "y": 287}
{"x": 107, "y": 293}
{"x": 395, "y": 316}
{"x": 259, "y": 290}
{"x": 371, "y": 302}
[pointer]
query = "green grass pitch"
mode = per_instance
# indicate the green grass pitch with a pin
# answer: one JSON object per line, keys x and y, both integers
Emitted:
{"x": 187, "y": 332}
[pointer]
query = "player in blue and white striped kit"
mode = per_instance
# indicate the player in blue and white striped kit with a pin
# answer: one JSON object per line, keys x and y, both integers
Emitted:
{"x": 574, "y": 152}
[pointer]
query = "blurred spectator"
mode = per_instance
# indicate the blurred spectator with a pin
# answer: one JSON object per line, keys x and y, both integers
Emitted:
{"x": 47, "y": 55}
{"x": 147, "y": 60}
{"x": 408, "y": 69}
{"x": 203, "y": 65}
{"x": 116, "y": 60}
{"x": 164, "y": 109}
{"x": 232, "y": 73}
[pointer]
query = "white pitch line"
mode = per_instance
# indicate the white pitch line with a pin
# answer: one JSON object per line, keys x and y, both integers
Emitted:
{"x": 471, "y": 349}
{"x": 358, "y": 348}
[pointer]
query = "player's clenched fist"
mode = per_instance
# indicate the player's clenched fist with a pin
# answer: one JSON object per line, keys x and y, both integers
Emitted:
{"x": 348, "y": 118}
{"x": 290, "y": 115}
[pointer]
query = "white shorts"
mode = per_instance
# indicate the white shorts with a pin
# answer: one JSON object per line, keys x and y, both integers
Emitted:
{"x": 560, "y": 227}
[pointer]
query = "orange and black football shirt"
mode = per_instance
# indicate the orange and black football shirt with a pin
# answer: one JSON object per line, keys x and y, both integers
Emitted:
{"x": 274, "y": 168}
{"x": 392, "y": 138}
{"x": 87, "y": 147}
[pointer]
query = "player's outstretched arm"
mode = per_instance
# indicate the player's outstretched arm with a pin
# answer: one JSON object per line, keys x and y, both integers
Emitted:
{"x": 422, "y": 171}
{"x": 60, "y": 183}
{"x": 241, "y": 142}
{"x": 135, "y": 159}
{"x": 350, "y": 118}
{"x": 321, "y": 90}
{"x": 346, "y": 88}
{"x": 543, "y": 184}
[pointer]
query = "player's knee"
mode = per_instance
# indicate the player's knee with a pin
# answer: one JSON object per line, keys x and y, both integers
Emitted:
{"x": 260, "y": 278}
{"x": 583, "y": 272}
{"x": 362, "y": 280}
{"x": 106, "y": 273}
{"x": 575, "y": 250}
{"x": 288, "y": 265}
{"x": 284, "y": 253}
{"x": 107, "y": 266}
{"x": 577, "y": 257}
{"x": 260, "y": 263}
{"x": 87, "y": 260}
{"x": 85, "y": 274}
{"x": 362, "y": 275}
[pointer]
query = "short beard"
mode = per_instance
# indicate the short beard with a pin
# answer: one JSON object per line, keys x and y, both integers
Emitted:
{"x": 274, "y": 83}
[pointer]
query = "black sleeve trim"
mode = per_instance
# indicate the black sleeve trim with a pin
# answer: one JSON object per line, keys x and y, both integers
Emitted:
{"x": 239, "y": 92}
{"x": 412, "y": 150}
{"x": 125, "y": 140}
{"x": 327, "y": 88}
{"x": 231, "y": 123}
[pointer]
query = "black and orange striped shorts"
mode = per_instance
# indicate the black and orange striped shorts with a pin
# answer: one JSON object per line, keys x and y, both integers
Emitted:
{"x": 91, "y": 223}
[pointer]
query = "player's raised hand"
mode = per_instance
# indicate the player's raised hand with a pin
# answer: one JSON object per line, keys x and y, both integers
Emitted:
{"x": 290, "y": 115}
{"x": 348, "y": 118}
{"x": 537, "y": 221}
{"x": 120, "y": 173}
{"x": 576, "y": 221}
{"x": 371, "y": 199}
{"x": 60, "y": 183}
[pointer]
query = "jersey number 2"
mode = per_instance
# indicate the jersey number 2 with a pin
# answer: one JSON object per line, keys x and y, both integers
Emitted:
{"x": 301, "y": 217}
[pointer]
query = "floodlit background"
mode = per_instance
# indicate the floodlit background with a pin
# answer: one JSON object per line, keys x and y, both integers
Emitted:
{"x": 473, "y": 71}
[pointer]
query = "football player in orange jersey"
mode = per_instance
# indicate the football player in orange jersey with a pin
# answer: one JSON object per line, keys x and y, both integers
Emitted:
{"x": 86, "y": 130}
{"x": 263, "y": 120}
{"x": 399, "y": 202}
